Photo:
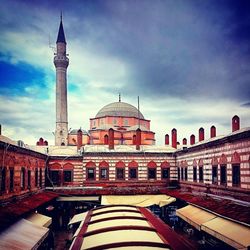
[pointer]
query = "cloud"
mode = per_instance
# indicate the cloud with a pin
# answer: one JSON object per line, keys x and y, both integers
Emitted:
{"x": 183, "y": 58}
{"x": 247, "y": 104}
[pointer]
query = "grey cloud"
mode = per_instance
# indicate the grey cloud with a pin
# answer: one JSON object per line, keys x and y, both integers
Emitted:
{"x": 247, "y": 104}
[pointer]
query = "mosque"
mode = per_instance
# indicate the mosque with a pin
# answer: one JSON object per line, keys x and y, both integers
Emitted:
{"x": 113, "y": 178}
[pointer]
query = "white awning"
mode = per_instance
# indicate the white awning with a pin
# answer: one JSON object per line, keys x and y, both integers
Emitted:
{"x": 194, "y": 216}
{"x": 234, "y": 234}
{"x": 78, "y": 218}
{"x": 23, "y": 235}
{"x": 137, "y": 200}
{"x": 40, "y": 220}
{"x": 78, "y": 198}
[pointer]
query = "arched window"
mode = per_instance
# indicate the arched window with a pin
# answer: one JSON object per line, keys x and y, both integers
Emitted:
{"x": 133, "y": 170}
{"x": 223, "y": 170}
{"x": 120, "y": 170}
{"x": 236, "y": 169}
{"x": 68, "y": 170}
{"x": 11, "y": 179}
{"x": 90, "y": 171}
{"x": 194, "y": 171}
{"x": 215, "y": 171}
{"x": 103, "y": 170}
{"x": 29, "y": 178}
{"x": 178, "y": 173}
{"x": 22, "y": 178}
{"x": 3, "y": 179}
{"x": 152, "y": 170}
{"x": 186, "y": 173}
{"x": 41, "y": 178}
{"x": 201, "y": 174}
{"x": 36, "y": 177}
{"x": 54, "y": 172}
{"x": 184, "y": 170}
{"x": 182, "y": 173}
{"x": 165, "y": 170}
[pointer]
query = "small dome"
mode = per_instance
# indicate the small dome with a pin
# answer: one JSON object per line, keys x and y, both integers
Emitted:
{"x": 120, "y": 109}
{"x": 74, "y": 132}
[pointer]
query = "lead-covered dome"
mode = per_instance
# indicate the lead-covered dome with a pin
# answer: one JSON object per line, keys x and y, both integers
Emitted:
{"x": 121, "y": 109}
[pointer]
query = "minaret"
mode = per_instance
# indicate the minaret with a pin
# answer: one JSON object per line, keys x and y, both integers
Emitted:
{"x": 61, "y": 62}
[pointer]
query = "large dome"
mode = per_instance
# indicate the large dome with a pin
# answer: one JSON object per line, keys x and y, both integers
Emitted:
{"x": 119, "y": 109}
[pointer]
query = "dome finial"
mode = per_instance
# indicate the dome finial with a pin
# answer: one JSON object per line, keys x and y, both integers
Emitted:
{"x": 119, "y": 97}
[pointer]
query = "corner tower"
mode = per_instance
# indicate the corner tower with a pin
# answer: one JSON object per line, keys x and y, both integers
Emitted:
{"x": 61, "y": 62}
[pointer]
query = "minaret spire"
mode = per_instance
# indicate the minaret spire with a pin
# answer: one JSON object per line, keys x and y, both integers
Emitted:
{"x": 61, "y": 62}
{"x": 61, "y": 36}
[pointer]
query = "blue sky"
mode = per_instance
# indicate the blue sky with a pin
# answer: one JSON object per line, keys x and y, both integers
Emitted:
{"x": 188, "y": 60}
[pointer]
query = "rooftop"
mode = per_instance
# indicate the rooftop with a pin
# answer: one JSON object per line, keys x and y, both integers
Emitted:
{"x": 119, "y": 109}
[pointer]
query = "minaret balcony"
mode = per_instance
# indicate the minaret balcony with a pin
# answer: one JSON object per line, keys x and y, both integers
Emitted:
{"x": 61, "y": 61}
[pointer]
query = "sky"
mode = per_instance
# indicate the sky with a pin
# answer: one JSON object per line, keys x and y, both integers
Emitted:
{"x": 188, "y": 60}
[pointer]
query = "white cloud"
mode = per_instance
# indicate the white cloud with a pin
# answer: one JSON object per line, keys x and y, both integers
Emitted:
{"x": 99, "y": 73}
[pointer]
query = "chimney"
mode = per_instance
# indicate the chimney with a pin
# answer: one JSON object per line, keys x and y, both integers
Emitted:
{"x": 174, "y": 138}
{"x": 166, "y": 139}
{"x": 138, "y": 139}
{"x": 79, "y": 139}
{"x": 201, "y": 134}
{"x": 106, "y": 139}
{"x": 134, "y": 139}
{"x": 40, "y": 142}
{"x": 213, "y": 131}
{"x": 235, "y": 123}
{"x": 184, "y": 141}
{"x": 111, "y": 138}
{"x": 192, "y": 140}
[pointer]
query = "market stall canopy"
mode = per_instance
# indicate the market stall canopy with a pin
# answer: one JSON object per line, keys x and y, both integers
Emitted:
{"x": 78, "y": 218}
{"x": 124, "y": 227}
{"x": 78, "y": 198}
{"x": 234, "y": 234}
{"x": 194, "y": 216}
{"x": 23, "y": 235}
{"x": 40, "y": 220}
{"x": 137, "y": 200}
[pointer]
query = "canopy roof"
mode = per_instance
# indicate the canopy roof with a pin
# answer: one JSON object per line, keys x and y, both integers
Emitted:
{"x": 124, "y": 227}
{"x": 138, "y": 200}
{"x": 40, "y": 219}
{"x": 233, "y": 233}
{"x": 23, "y": 235}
